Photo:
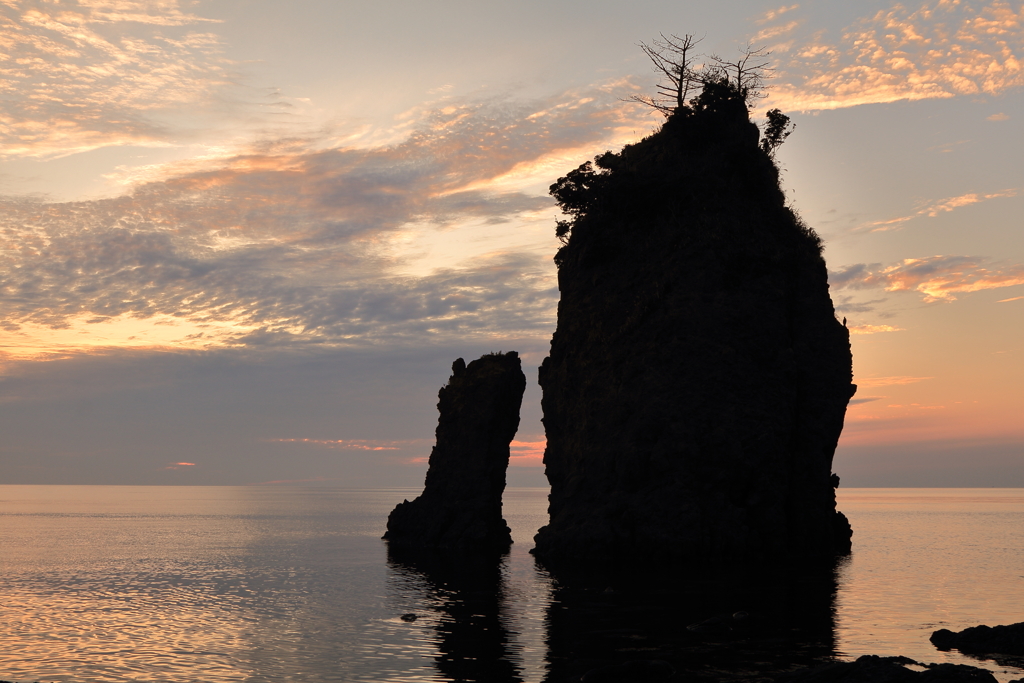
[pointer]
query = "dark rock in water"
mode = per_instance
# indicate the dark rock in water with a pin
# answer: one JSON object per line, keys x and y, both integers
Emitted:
{"x": 1003, "y": 640}
{"x": 698, "y": 377}
{"x": 875, "y": 669}
{"x": 460, "y": 507}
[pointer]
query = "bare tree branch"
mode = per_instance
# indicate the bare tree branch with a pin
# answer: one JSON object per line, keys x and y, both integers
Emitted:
{"x": 749, "y": 72}
{"x": 675, "y": 57}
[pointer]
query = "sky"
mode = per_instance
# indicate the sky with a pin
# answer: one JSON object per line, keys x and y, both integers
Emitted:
{"x": 244, "y": 240}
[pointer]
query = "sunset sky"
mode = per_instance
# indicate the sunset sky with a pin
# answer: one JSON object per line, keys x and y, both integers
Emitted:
{"x": 244, "y": 240}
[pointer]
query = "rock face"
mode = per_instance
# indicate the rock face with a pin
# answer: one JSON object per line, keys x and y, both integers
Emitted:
{"x": 982, "y": 640}
{"x": 698, "y": 377}
{"x": 460, "y": 507}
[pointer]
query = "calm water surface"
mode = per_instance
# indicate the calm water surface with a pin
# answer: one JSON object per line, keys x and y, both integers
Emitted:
{"x": 293, "y": 584}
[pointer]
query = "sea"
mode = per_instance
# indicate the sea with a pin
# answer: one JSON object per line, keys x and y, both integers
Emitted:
{"x": 286, "y": 583}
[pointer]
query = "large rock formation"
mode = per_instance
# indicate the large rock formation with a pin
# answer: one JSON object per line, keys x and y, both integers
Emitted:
{"x": 698, "y": 377}
{"x": 460, "y": 507}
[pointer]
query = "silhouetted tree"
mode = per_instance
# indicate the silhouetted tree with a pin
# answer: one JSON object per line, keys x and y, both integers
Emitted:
{"x": 676, "y": 59}
{"x": 776, "y": 130}
{"x": 577, "y": 191}
{"x": 749, "y": 72}
{"x": 672, "y": 57}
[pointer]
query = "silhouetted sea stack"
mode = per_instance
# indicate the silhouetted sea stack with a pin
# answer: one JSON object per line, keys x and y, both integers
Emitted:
{"x": 698, "y": 377}
{"x": 460, "y": 507}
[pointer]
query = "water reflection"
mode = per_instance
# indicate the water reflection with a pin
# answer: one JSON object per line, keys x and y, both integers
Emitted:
{"x": 727, "y": 625}
{"x": 467, "y": 595}
{"x": 115, "y": 584}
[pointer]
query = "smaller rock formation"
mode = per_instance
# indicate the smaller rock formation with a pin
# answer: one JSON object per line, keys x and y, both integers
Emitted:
{"x": 460, "y": 507}
{"x": 982, "y": 640}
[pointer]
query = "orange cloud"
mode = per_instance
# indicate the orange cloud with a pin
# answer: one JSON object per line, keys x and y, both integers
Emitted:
{"x": 941, "y": 49}
{"x": 865, "y": 382}
{"x": 938, "y": 278}
{"x": 66, "y": 87}
{"x": 294, "y": 244}
{"x": 179, "y": 465}
{"x": 942, "y": 206}
{"x": 772, "y": 15}
{"x": 873, "y": 329}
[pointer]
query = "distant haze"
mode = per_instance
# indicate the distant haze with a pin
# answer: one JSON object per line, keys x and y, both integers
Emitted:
{"x": 243, "y": 241}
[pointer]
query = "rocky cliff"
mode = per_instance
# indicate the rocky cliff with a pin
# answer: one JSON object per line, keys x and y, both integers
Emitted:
{"x": 698, "y": 377}
{"x": 460, "y": 507}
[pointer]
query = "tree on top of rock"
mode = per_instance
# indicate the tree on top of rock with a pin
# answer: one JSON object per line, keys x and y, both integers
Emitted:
{"x": 676, "y": 59}
{"x": 722, "y": 96}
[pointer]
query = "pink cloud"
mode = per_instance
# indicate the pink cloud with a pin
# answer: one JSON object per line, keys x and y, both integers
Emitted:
{"x": 527, "y": 453}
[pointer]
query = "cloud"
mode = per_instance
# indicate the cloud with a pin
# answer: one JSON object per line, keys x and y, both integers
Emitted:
{"x": 179, "y": 465}
{"x": 940, "y": 49}
{"x": 934, "y": 209}
{"x": 527, "y": 453}
{"x": 998, "y": 117}
{"x": 846, "y": 303}
{"x": 80, "y": 75}
{"x": 938, "y": 278}
{"x": 290, "y": 244}
{"x": 772, "y": 15}
{"x": 1016, "y": 298}
{"x": 353, "y": 444}
{"x": 888, "y": 381}
{"x": 873, "y": 329}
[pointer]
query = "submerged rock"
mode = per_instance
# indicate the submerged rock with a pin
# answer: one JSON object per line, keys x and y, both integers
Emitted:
{"x": 875, "y": 669}
{"x": 460, "y": 507}
{"x": 982, "y": 640}
{"x": 698, "y": 377}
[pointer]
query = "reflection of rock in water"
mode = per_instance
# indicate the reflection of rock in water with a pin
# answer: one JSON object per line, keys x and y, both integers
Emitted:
{"x": 736, "y": 625}
{"x": 467, "y": 592}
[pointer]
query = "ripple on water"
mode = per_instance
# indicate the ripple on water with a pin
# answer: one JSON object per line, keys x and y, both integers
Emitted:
{"x": 266, "y": 584}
